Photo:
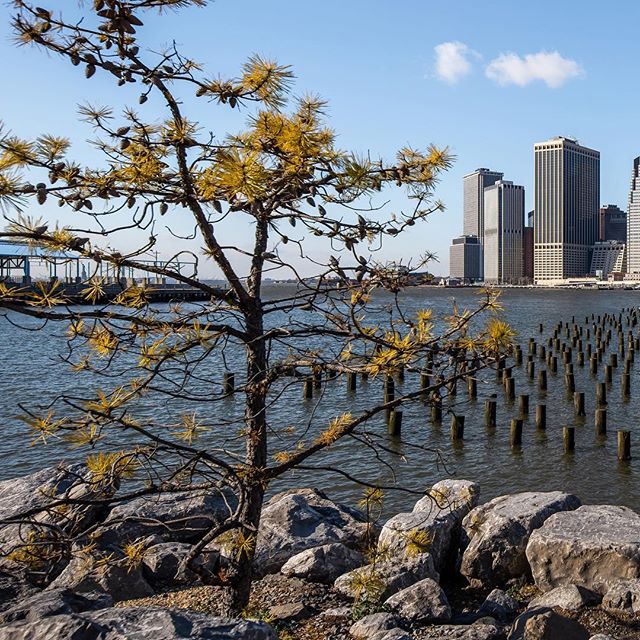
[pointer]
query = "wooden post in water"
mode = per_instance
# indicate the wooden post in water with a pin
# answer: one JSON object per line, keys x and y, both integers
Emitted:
{"x": 317, "y": 379}
{"x": 624, "y": 445}
{"x": 613, "y": 359}
{"x": 581, "y": 359}
{"x": 608, "y": 373}
{"x": 541, "y": 416}
{"x": 510, "y": 388}
{"x": 569, "y": 439}
{"x": 457, "y": 428}
{"x": 553, "y": 365}
{"x": 394, "y": 428}
{"x": 517, "y": 355}
{"x": 578, "y": 403}
{"x": 570, "y": 382}
{"x": 490, "y": 413}
{"x": 516, "y": 432}
{"x": 542, "y": 380}
{"x": 626, "y": 385}
{"x": 531, "y": 370}
{"x": 436, "y": 409}
{"x": 307, "y": 389}
{"x": 352, "y": 381}
{"x": 593, "y": 365}
{"x": 601, "y": 422}
{"x": 523, "y": 404}
{"x": 228, "y": 383}
{"x": 472, "y": 387}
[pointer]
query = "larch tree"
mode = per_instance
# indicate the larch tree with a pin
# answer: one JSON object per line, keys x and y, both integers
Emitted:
{"x": 282, "y": 182}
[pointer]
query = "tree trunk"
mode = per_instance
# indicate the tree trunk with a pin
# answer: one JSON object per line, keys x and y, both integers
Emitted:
{"x": 255, "y": 424}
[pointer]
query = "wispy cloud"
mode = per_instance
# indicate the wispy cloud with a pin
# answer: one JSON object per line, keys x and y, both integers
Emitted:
{"x": 548, "y": 66}
{"x": 452, "y": 61}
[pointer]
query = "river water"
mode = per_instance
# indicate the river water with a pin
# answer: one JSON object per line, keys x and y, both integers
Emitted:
{"x": 31, "y": 372}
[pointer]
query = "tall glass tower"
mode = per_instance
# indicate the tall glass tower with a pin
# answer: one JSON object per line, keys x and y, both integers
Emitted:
{"x": 567, "y": 207}
{"x": 473, "y": 204}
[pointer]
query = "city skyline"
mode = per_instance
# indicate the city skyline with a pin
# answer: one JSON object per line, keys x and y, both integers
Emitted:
{"x": 415, "y": 89}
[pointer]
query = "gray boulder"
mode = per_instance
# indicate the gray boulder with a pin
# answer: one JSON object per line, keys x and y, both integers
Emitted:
{"x": 386, "y": 578}
{"x": 137, "y": 624}
{"x": 568, "y": 597}
{"x": 592, "y": 547}
{"x": 36, "y": 491}
{"x": 336, "y": 612}
{"x": 425, "y": 601}
{"x": 434, "y": 522}
{"x": 500, "y": 606}
{"x": 475, "y": 631}
{"x": 546, "y": 624}
{"x": 391, "y": 634}
{"x": 295, "y": 521}
{"x": 370, "y": 625}
{"x": 323, "y": 564}
{"x": 624, "y": 596}
{"x": 497, "y": 534}
{"x": 162, "y": 563}
{"x": 289, "y": 612}
{"x": 13, "y": 589}
{"x": 53, "y": 602}
{"x": 602, "y": 636}
{"x": 115, "y": 577}
{"x": 174, "y": 517}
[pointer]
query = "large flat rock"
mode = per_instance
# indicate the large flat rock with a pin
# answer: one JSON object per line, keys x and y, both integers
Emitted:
{"x": 137, "y": 624}
{"x": 593, "y": 547}
{"x": 179, "y": 517}
{"x": 295, "y": 521}
{"x": 434, "y": 522}
{"x": 387, "y": 577}
{"x": 498, "y": 532}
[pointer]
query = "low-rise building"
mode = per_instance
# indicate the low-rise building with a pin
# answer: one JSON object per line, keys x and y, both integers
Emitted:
{"x": 465, "y": 256}
{"x": 608, "y": 257}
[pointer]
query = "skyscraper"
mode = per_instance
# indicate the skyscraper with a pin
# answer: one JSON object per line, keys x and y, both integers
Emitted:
{"x": 473, "y": 204}
{"x": 567, "y": 203}
{"x": 473, "y": 200}
{"x": 503, "y": 230}
{"x": 633, "y": 221}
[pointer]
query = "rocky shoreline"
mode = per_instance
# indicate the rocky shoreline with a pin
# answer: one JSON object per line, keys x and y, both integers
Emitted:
{"x": 528, "y": 565}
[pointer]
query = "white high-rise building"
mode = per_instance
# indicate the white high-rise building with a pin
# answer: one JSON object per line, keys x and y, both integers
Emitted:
{"x": 633, "y": 221}
{"x": 503, "y": 233}
{"x": 473, "y": 200}
{"x": 567, "y": 205}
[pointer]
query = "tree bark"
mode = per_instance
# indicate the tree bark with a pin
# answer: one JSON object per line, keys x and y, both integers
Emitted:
{"x": 255, "y": 457}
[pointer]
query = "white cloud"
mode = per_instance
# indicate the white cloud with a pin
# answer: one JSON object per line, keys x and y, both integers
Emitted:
{"x": 452, "y": 61}
{"x": 548, "y": 66}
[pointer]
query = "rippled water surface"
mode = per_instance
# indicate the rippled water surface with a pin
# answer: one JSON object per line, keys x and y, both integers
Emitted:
{"x": 31, "y": 372}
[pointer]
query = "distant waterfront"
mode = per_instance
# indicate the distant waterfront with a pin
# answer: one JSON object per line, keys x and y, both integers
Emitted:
{"x": 31, "y": 372}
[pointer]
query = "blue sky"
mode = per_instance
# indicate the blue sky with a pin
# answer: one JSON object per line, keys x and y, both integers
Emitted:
{"x": 375, "y": 62}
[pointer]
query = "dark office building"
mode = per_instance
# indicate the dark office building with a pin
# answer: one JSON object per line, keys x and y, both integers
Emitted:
{"x": 527, "y": 254}
{"x": 612, "y": 223}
